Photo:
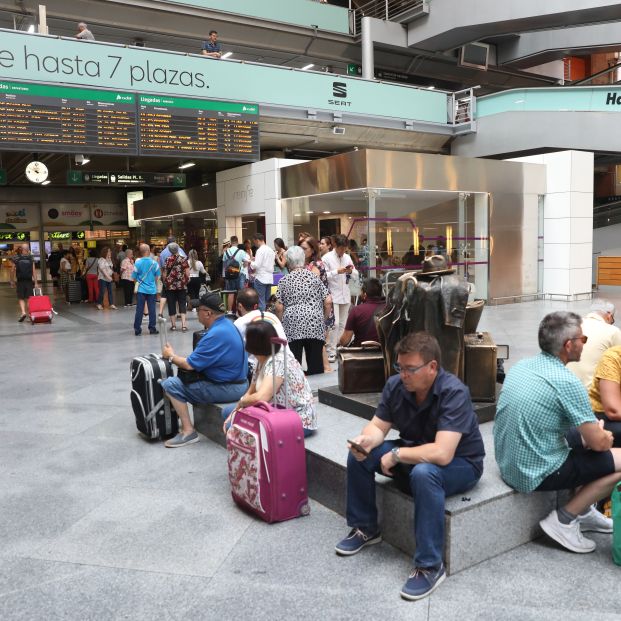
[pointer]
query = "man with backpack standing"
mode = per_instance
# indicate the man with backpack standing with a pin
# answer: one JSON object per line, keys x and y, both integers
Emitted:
{"x": 23, "y": 275}
{"x": 232, "y": 260}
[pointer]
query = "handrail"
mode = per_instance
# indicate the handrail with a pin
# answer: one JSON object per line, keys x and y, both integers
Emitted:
{"x": 383, "y": 9}
{"x": 462, "y": 107}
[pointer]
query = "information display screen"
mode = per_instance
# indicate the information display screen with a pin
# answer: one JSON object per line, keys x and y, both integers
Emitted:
{"x": 62, "y": 119}
{"x": 47, "y": 118}
{"x": 198, "y": 128}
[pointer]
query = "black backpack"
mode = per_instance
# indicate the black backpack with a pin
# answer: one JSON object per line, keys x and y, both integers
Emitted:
{"x": 23, "y": 268}
{"x": 232, "y": 267}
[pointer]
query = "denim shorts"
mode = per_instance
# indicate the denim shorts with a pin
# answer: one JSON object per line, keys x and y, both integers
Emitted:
{"x": 204, "y": 392}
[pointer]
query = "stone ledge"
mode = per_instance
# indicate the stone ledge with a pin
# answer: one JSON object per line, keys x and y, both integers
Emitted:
{"x": 486, "y": 521}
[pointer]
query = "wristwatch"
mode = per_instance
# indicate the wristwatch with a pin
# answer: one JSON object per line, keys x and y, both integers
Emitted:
{"x": 395, "y": 454}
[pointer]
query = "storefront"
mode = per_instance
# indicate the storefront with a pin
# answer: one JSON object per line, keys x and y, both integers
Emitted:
{"x": 484, "y": 215}
{"x": 52, "y": 222}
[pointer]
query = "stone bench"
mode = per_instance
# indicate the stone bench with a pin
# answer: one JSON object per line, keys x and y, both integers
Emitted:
{"x": 487, "y": 521}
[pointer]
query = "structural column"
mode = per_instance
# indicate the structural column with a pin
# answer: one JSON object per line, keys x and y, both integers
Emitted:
{"x": 368, "y": 60}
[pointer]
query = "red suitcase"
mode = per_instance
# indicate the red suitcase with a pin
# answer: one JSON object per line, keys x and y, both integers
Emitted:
{"x": 40, "y": 308}
{"x": 267, "y": 461}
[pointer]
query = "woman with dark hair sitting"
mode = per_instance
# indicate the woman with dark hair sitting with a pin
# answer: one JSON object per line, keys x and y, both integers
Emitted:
{"x": 299, "y": 393}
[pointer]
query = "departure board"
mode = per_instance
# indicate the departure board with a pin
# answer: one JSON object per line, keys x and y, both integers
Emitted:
{"x": 198, "y": 128}
{"x": 63, "y": 119}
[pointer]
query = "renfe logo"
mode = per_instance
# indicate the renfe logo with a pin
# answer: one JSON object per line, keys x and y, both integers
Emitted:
{"x": 339, "y": 91}
{"x": 613, "y": 99}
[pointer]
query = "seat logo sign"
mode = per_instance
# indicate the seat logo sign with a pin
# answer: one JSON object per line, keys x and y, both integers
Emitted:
{"x": 339, "y": 94}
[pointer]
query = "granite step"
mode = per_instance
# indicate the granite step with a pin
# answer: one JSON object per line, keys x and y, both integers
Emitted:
{"x": 487, "y": 521}
{"x": 365, "y": 404}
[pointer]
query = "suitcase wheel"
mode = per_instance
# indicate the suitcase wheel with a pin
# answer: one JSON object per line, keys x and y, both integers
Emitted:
{"x": 305, "y": 509}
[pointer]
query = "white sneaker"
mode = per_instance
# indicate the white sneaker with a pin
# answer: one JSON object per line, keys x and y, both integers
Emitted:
{"x": 568, "y": 535}
{"x": 595, "y": 521}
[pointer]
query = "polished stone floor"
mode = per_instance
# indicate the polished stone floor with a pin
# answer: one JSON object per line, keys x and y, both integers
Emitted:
{"x": 96, "y": 523}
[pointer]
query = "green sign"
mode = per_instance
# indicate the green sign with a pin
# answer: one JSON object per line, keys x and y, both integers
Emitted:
{"x": 32, "y": 57}
{"x": 2, "y": 176}
{"x": 14, "y": 236}
{"x": 123, "y": 178}
{"x": 66, "y": 235}
{"x": 353, "y": 69}
{"x": 198, "y": 104}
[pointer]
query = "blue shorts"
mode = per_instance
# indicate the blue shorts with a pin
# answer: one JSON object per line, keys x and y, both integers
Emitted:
{"x": 203, "y": 392}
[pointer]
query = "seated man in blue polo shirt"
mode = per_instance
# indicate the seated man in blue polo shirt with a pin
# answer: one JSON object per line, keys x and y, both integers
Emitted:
{"x": 221, "y": 358}
{"x": 439, "y": 453}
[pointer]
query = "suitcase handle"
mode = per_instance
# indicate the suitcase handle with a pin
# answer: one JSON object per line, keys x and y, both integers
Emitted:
{"x": 264, "y": 405}
{"x": 370, "y": 345}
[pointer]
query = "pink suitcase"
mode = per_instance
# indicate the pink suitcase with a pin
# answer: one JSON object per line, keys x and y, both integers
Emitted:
{"x": 40, "y": 308}
{"x": 267, "y": 462}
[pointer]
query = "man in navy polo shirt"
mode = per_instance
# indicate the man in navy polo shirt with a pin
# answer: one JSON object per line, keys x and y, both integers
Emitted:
{"x": 222, "y": 359}
{"x": 439, "y": 453}
{"x": 211, "y": 47}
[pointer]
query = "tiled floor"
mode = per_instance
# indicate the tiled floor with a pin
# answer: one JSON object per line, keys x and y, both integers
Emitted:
{"x": 96, "y": 523}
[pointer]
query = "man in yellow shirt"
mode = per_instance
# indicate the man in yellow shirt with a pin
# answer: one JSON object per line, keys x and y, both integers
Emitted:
{"x": 602, "y": 334}
{"x": 605, "y": 392}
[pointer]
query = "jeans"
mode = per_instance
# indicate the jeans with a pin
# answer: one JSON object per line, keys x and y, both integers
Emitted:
{"x": 341, "y": 311}
{"x": 263, "y": 292}
{"x": 429, "y": 485}
{"x": 104, "y": 285}
{"x": 141, "y": 298}
{"x": 204, "y": 392}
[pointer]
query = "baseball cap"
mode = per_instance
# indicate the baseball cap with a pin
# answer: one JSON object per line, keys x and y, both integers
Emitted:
{"x": 209, "y": 300}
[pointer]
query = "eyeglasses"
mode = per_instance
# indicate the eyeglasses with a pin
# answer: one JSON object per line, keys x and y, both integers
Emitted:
{"x": 408, "y": 370}
{"x": 584, "y": 338}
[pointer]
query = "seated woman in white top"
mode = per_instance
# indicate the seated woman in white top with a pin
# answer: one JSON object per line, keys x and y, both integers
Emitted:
{"x": 299, "y": 393}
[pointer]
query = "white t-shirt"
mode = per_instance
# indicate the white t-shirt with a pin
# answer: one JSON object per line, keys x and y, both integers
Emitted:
{"x": 241, "y": 323}
{"x": 200, "y": 269}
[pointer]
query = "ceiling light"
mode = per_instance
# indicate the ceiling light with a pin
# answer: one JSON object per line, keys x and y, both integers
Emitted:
{"x": 31, "y": 28}
{"x": 227, "y": 55}
{"x": 326, "y": 212}
{"x": 46, "y": 182}
{"x": 307, "y": 67}
{"x": 338, "y": 131}
{"x": 310, "y": 212}
{"x": 204, "y": 184}
{"x": 431, "y": 88}
{"x": 186, "y": 165}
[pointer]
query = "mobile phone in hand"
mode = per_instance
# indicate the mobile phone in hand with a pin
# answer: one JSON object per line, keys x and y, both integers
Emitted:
{"x": 358, "y": 447}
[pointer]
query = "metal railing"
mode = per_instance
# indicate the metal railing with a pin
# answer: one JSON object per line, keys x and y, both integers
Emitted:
{"x": 462, "y": 107}
{"x": 392, "y": 10}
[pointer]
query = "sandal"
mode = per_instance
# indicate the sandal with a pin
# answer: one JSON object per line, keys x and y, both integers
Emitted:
{"x": 184, "y": 329}
{"x": 173, "y": 328}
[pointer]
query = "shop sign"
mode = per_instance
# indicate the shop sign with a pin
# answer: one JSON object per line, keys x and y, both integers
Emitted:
{"x": 55, "y": 215}
{"x": 109, "y": 215}
{"x": 18, "y": 217}
{"x": 65, "y": 235}
{"x": 123, "y": 178}
{"x": 14, "y": 236}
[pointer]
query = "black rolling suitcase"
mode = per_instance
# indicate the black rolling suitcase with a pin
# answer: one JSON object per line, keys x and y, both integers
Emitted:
{"x": 74, "y": 291}
{"x": 155, "y": 416}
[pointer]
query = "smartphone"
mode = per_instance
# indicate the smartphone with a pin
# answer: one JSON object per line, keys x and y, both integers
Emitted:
{"x": 358, "y": 447}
